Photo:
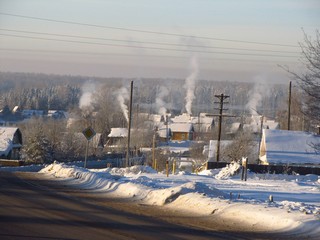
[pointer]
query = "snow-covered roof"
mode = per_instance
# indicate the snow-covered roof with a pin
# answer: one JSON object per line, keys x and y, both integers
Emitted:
{"x": 6, "y": 137}
{"x": 271, "y": 124}
{"x": 184, "y": 118}
{"x": 118, "y": 132}
{"x": 283, "y": 146}
{"x": 181, "y": 127}
{"x": 57, "y": 113}
{"x": 212, "y": 148}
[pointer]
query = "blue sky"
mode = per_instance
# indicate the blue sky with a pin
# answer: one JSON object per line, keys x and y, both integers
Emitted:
{"x": 129, "y": 54}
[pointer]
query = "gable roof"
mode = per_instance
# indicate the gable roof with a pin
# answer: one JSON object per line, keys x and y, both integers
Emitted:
{"x": 183, "y": 118}
{"x": 6, "y": 139}
{"x": 282, "y": 146}
{"x": 181, "y": 127}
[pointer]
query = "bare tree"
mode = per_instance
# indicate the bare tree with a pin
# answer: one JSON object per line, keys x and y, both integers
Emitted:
{"x": 243, "y": 145}
{"x": 309, "y": 80}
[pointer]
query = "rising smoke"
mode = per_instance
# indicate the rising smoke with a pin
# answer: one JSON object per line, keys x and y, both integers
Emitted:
{"x": 123, "y": 95}
{"x": 190, "y": 84}
{"x": 86, "y": 99}
{"x": 260, "y": 90}
{"x": 160, "y": 104}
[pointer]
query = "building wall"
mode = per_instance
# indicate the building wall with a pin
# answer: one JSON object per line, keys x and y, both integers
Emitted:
{"x": 180, "y": 136}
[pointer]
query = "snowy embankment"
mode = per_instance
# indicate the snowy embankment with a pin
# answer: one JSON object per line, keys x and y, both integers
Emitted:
{"x": 295, "y": 209}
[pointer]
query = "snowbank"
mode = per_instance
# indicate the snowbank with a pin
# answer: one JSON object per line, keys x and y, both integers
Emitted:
{"x": 208, "y": 194}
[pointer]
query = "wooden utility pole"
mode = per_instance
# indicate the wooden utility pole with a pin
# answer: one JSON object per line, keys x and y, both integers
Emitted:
{"x": 221, "y": 97}
{"x": 153, "y": 150}
{"x": 289, "y": 105}
{"x": 129, "y": 126}
{"x": 167, "y": 130}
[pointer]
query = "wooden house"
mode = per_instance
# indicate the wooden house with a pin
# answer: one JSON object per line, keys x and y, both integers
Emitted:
{"x": 181, "y": 131}
{"x": 116, "y": 138}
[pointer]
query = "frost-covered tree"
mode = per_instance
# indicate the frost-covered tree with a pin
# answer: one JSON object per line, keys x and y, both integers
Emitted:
{"x": 38, "y": 149}
{"x": 244, "y": 145}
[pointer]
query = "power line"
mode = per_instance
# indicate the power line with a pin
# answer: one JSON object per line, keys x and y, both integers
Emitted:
{"x": 142, "y": 42}
{"x": 35, "y": 51}
{"x": 146, "y": 31}
{"x": 142, "y": 47}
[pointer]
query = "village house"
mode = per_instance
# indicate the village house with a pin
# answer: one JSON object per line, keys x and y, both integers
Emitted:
{"x": 10, "y": 143}
{"x": 116, "y": 138}
{"x": 181, "y": 128}
{"x": 181, "y": 131}
{"x": 57, "y": 114}
{"x": 288, "y": 147}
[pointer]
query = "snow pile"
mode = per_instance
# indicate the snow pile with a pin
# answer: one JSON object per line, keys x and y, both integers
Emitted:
{"x": 295, "y": 206}
{"x": 140, "y": 188}
{"x": 228, "y": 171}
{"x": 131, "y": 170}
{"x": 209, "y": 172}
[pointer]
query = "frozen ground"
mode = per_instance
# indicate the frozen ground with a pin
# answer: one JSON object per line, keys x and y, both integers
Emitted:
{"x": 295, "y": 207}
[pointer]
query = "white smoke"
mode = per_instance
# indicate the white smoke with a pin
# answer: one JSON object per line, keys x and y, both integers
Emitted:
{"x": 122, "y": 96}
{"x": 160, "y": 104}
{"x": 260, "y": 90}
{"x": 190, "y": 83}
{"x": 86, "y": 98}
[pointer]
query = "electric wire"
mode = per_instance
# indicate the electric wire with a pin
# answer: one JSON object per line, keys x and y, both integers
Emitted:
{"x": 142, "y": 47}
{"x": 35, "y": 51}
{"x": 146, "y": 31}
{"x": 142, "y": 42}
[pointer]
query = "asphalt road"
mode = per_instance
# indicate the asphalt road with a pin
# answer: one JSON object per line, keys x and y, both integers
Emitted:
{"x": 31, "y": 208}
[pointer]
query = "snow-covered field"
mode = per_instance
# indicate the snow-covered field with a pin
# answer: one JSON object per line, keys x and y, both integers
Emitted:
{"x": 295, "y": 207}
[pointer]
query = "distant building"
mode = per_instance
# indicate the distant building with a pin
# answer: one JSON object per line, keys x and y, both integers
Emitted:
{"x": 288, "y": 147}
{"x": 32, "y": 113}
{"x": 57, "y": 114}
{"x": 10, "y": 143}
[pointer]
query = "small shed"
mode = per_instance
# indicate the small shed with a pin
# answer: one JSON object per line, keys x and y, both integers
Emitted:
{"x": 10, "y": 143}
{"x": 288, "y": 147}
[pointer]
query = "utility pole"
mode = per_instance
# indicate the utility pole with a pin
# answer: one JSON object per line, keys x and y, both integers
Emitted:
{"x": 167, "y": 130}
{"x": 289, "y": 105}
{"x": 129, "y": 126}
{"x": 221, "y": 98}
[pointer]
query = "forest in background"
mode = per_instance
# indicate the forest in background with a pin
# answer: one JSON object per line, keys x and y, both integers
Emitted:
{"x": 44, "y": 92}
{"x": 100, "y": 103}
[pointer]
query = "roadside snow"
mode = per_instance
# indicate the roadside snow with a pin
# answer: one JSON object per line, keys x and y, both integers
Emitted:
{"x": 295, "y": 206}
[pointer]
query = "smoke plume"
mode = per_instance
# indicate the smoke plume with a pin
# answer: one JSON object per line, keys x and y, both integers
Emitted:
{"x": 122, "y": 96}
{"x": 260, "y": 90}
{"x": 190, "y": 83}
{"x": 160, "y": 104}
{"x": 86, "y": 98}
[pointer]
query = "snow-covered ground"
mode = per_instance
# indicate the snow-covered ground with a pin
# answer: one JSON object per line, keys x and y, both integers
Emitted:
{"x": 295, "y": 207}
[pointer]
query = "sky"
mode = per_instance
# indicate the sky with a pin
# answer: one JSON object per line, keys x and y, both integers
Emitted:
{"x": 230, "y": 40}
